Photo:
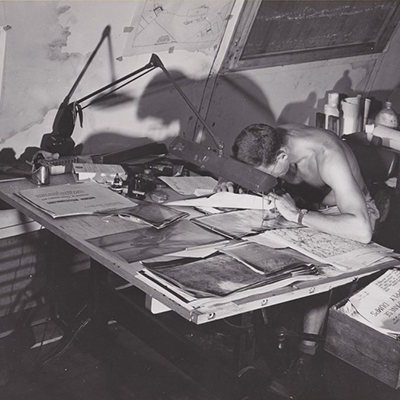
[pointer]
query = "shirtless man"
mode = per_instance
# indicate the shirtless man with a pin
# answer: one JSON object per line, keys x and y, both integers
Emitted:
{"x": 317, "y": 170}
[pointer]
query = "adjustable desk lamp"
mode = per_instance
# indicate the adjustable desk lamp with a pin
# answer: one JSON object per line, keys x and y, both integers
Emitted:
{"x": 60, "y": 141}
{"x": 233, "y": 170}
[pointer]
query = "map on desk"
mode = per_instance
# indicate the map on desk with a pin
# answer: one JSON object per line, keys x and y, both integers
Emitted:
{"x": 239, "y": 223}
{"x": 340, "y": 252}
{"x": 142, "y": 244}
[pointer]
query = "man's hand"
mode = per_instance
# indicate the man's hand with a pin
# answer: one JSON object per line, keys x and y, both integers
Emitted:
{"x": 45, "y": 155}
{"x": 226, "y": 186}
{"x": 285, "y": 205}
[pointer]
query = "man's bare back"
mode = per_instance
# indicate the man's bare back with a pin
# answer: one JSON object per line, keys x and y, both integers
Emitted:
{"x": 314, "y": 148}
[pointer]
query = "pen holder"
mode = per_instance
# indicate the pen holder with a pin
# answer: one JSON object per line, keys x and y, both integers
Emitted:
{"x": 41, "y": 175}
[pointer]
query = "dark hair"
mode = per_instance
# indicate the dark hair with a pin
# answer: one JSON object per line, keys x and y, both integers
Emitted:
{"x": 258, "y": 144}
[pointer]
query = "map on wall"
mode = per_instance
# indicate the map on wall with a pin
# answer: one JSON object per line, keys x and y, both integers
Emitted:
{"x": 187, "y": 25}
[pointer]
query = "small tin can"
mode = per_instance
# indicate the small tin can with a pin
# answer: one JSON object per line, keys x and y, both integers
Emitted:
{"x": 41, "y": 175}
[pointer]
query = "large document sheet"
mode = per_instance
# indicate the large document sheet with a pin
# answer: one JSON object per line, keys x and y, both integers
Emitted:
{"x": 142, "y": 244}
{"x": 226, "y": 200}
{"x": 345, "y": 254}
{"x": 76, "y": 199}
{"x": 379, "y": 302}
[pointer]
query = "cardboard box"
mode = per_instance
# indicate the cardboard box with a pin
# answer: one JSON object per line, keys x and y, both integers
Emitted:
{"x": 362, "y": 347}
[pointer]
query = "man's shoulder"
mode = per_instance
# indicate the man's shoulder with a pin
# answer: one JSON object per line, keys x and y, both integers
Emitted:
{"x": 292, "y": 127}
{"x": 306, "y": 131}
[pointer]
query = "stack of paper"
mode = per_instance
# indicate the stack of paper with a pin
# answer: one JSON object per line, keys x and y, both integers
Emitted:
{"x": 378, "y": 304}
{"x": 100, "y": 173}
{"x": 234, "y": 268}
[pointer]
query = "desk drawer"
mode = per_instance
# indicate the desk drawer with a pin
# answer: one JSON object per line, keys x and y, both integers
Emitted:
{"x": 362, "y": 347}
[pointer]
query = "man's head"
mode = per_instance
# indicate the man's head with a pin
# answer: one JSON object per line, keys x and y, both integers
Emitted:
{"x": 261, "y": 145}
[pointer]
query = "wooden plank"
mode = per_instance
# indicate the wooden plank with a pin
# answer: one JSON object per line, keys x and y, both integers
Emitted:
{"x": 13, "y": 222}
{"x": 363, "y": 347}
{"x": 155, "y": 306}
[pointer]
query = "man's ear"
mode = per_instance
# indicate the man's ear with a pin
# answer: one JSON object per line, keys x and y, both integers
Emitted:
{"x": 282, "y": 155}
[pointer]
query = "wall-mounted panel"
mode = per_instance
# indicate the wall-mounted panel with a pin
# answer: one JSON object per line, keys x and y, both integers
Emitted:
{"x": 273, "y": 33}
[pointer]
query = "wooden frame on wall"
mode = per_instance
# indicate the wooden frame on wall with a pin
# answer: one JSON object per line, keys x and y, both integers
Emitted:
{"x": 271, "y": 33}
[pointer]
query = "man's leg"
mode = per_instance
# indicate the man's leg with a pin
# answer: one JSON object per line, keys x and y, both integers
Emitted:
{"x": 314, "y": 319}
{"x": 295, "y": 382}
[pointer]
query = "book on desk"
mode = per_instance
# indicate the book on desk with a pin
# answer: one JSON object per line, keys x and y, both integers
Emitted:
{"x": 101, "y": 173}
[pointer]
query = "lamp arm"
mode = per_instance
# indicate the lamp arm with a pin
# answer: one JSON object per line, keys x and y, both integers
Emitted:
{"x": 155, "y": 60}
{"x": 148, "y": 66}
{"x": 105, "y": 33}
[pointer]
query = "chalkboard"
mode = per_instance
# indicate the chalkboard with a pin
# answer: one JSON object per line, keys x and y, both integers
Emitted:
{"x": 287, "y": 32}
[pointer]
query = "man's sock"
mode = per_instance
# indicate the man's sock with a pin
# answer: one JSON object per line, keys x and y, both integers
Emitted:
{"x": 308, "y": 347}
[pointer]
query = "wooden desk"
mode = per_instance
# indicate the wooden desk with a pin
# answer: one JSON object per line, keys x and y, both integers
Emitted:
{"x": 76, "y": 231}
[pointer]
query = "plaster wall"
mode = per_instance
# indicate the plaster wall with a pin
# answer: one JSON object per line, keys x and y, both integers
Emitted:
{"x": 49, "y": 42}
{"x": 295, "y": 93}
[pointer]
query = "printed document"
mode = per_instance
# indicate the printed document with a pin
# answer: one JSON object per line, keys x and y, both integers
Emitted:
{"x": 76, "y": 199}
{"x": 345, "y": 254}
{"x": 379, "y": 302}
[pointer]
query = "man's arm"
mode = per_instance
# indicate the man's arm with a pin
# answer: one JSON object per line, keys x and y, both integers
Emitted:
{"x": 353, "y": 221}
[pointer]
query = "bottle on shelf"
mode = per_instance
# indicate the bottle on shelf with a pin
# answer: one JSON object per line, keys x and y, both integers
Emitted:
{"x": 135, "y": 187}
{"x": 117, "y": 184}
{"x": 148, "y": 180}
{"x": 387, "y": 117}
{"x": 331, "y": 109}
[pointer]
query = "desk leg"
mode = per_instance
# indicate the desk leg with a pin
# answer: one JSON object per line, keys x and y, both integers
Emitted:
{"x": 245, "y": 342}
{"x": 97, "y": 280}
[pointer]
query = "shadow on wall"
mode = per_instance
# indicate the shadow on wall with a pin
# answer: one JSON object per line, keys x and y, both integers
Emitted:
{"x": 109, "y": 142}
{"x": 161, "y": 109}
{"x": 302, "y": 110}
{"x": 378, "y": 97}
{"x": 237, "y": 103}
{"x": 162, "y": 101}
{"x": 241, "y": 101}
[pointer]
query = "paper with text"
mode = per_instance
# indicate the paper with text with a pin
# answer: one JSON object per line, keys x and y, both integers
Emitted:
{"x": 75, "y": 199}
{"x": 379, "y": 302}
{"x": 344, "y": 253}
